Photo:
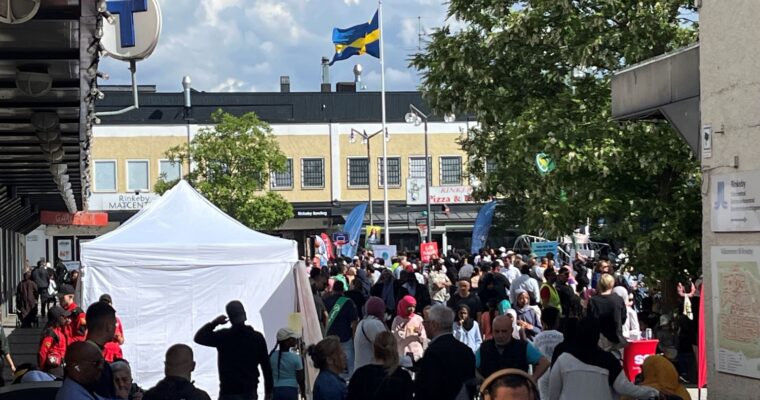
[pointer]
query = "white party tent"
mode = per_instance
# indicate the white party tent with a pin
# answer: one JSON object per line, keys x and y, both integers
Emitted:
{"x": 174, "y": 266}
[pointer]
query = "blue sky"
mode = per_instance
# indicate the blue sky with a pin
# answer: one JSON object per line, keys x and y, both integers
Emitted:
{"x": 246, "y": 45}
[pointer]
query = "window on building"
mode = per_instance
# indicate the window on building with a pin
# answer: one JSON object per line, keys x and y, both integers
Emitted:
{"x": 137, "y": 175}
{"x": 358, "y": 172}
{"x": 451, "y": 171}
{"x": 313, "y": 173}
{"x": 394, "y": 171}
{"x": 417, "y": 168}
{"x": 105, "y": 176}
{"x": 283, "y": 179}
{"x": 169, "y": 171}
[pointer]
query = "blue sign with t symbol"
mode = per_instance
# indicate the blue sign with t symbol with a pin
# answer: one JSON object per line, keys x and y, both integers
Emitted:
{"x": 126, "y": 10}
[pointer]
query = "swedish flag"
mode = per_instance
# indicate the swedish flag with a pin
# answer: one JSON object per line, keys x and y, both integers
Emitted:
{"x": 357, "y": 40}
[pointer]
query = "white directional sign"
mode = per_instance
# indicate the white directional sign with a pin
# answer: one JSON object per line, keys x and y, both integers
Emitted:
{"x": 735, "y": 202}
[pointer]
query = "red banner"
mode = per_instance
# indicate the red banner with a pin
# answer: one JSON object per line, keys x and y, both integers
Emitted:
{"x": 79, "y": 219}
{"x": 428, "y": 250}
{"x": 328, "y": 244}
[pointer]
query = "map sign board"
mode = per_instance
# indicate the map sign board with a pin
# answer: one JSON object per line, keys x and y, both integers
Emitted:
{"x": 735, "y": 202}
{"x": 736, "y": 322}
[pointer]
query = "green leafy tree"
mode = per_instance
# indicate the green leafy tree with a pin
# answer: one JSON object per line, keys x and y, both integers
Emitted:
{"x": 231, "y": 166}
{"x": 536, "y": 76}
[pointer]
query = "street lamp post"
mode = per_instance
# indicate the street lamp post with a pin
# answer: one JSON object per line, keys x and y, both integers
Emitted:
{"x": 366, "y": 139}
{"x": 417, "y": 117}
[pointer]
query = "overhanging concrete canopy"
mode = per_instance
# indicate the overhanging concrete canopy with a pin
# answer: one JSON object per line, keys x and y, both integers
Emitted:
{"x": 665, "y": 87}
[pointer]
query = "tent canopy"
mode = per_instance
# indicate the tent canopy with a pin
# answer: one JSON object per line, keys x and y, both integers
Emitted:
{"x": 174, "y": 266}
{"x": 184, "y": 220}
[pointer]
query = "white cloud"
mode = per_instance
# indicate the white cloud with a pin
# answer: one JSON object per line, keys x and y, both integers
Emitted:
{"x": 229, "y": 85}
{"x": 245, "y": 45}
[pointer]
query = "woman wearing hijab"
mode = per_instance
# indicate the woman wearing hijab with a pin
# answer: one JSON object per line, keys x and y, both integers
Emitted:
{"x": 631, "y": 328}
{"x": 659, "y": 373}
{"x": 466, "y": 330}
{"x": 407, "y": 328}
{"x": 582, "y": 370}
{"x": 26, "y": 301}
{"x": 366, "y": 331}
{"x": 495, "y": 308}
{"x": 527, "y": 318}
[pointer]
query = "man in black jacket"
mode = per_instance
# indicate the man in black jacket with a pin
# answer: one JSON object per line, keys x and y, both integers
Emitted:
{"x": 241, "y": 350}
{"x": 42, "y": 279}
{"x": 178, "y": 368}
{"x": 448, "y": 364}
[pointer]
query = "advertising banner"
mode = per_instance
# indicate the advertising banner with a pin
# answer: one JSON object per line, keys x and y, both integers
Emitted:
{"x": 428, "y": 250}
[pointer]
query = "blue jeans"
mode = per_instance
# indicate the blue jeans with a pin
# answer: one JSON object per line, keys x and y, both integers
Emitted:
{"x": 348, "y": 348}
{"x": 285, "y": 393}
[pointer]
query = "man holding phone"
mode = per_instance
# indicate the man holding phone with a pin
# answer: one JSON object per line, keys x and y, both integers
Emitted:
{"x": 241, "y": 350}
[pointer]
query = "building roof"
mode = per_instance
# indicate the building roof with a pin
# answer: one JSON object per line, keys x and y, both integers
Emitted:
{"x": 276, "y": 108}
{"x": 56, "y": 45}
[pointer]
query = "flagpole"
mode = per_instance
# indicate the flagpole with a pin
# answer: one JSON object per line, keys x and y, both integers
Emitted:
{"x": 385, "y": 131}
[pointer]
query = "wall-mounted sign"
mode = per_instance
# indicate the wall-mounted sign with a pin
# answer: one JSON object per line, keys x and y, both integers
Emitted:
{"x": 322, "y": 213}
{"x": 120, "y": 202}
{"x": 65, "y": 252}
{"x": 735, "y": 202}
{"x": 78, "y": 219}
{"x": 134, "y": 33}
{"x": 340, "y": 238}
{"x": 415, "y": 193}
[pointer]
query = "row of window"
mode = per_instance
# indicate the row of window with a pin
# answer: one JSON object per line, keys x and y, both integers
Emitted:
{"x": 138, "y": 174}
{"x": 312, "y": 173}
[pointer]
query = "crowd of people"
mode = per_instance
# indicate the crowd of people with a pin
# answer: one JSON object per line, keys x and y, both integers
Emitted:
{"x": 498, "y": 325}
{"x": 505, "y": 325}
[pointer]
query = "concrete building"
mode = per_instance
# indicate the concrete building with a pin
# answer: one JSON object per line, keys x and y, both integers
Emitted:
{"x": 327, "y": 175}
{"x": 709, "y": 92}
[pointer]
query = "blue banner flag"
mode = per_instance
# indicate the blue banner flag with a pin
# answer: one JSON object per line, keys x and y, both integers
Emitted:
{"x": 357, "y": 40}
{"x": 482, "y": 226}
{"x": 353, "y": 227}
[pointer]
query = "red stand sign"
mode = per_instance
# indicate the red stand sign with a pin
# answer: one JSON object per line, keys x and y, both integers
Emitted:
{"x": 428, "y": 250}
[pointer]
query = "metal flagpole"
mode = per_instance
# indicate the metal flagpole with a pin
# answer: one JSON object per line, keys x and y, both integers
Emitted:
{"x": 385, "y": 130}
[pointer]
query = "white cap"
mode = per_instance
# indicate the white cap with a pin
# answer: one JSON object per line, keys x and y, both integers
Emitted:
{"x": 502, "y": 249}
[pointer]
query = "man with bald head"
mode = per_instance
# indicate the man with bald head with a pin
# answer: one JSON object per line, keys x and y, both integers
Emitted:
{"x": 177, "y": 385}
{"x": 84, "y": 366}
{"x": 503, "y": 351}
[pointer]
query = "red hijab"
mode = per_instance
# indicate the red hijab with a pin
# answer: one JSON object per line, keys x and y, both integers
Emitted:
{"x": 403, "y": 304}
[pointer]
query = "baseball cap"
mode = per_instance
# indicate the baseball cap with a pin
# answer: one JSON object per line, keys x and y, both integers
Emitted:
{"x": 287, "y": 333}
{"x": 510, "y": 252}
{"x": 502, "y": 249}
{"x": 57, "y": 311}
{"x": 66, "y": 289}
{"x": 236, "y": 312}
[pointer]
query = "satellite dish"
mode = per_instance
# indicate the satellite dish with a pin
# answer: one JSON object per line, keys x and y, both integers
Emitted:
{"x": 18, "y": 11}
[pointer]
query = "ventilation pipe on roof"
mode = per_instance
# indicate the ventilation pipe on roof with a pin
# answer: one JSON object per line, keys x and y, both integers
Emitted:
{"x": 326, "y": 88}
{"x": 284, "y": 84}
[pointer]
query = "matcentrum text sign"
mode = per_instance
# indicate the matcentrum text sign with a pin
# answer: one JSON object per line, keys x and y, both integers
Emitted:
{"x": 117, "y": 202}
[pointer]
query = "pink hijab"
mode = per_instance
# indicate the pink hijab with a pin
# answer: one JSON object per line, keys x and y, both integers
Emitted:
{"x": 403, "y": 304}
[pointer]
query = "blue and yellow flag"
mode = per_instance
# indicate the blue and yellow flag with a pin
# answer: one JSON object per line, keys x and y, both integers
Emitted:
{"x": 357, "y": 40}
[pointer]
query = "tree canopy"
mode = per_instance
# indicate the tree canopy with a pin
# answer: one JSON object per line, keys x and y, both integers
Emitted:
{"x": 536, "y": 76}
{"x": 232, "y": 162}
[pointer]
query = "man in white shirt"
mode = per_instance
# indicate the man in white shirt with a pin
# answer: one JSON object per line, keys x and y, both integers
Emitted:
{"x": 546, "y": 341}
{"x": 512, "y": 272}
